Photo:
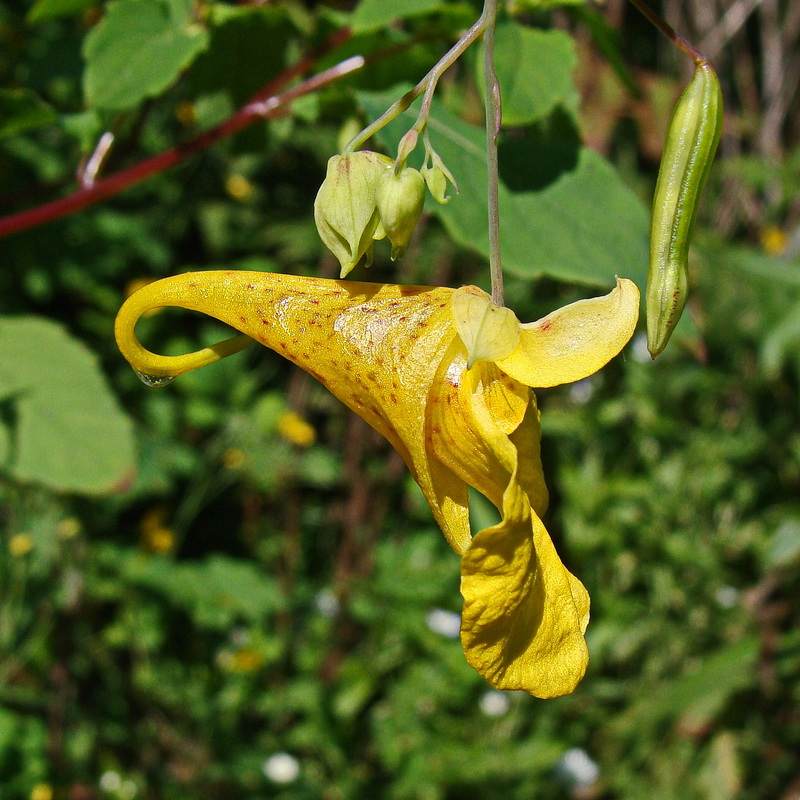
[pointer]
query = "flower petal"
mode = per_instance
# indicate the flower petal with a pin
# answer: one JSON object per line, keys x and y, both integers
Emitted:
{"x": 575, "y": 341}
{"x": 524, "y": 614}
{"x": 467, "y": 447}
{"x": 489, "y": 332}
{"x": 377, "y": 347}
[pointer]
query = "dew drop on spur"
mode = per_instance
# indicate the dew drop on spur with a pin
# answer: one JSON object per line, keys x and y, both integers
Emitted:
{"x": 154, "y": 381}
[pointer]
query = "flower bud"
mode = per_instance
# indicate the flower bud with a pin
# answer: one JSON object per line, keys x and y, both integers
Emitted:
{"x": 345, "y": 210}
{"x": 436, "y": 181}
{"x": 400, "y": 199}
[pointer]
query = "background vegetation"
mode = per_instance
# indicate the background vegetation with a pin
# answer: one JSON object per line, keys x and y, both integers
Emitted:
{"x": 230, "y": 587}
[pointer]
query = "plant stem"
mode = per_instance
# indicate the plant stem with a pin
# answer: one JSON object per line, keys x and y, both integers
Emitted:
{"x": 494, "y": 117}
{"x": 264, "y": 104}
{"x": 662, "y": 25}
{"x": 426, "y": 85}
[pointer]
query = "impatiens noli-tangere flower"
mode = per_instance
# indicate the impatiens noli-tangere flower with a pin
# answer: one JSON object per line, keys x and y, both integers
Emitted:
{"x": 446, "y": 377}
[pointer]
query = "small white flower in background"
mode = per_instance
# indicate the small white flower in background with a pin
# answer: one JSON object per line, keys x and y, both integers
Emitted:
{"x": 495, "y": 704}
{"x": 445, "y": 623}
{"x": 638, "y": 349}
{"x": 581, "y": 392}
{"x": 326, "y": 603}
{"x": 577, "y": 768}
{"x": 281, "y": 768}
{"x": 110, "y": 781}
{"x": 727, "y": 597}
{"x": 240, "y": 637}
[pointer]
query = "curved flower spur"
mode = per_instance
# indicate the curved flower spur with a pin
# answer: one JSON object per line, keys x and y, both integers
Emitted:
{"x": 446, "y": 377}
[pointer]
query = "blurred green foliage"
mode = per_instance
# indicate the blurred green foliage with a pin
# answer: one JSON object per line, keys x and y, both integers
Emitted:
{"x": 256, "y": 603}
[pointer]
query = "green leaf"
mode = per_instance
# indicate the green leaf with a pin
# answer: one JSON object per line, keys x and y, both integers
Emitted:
{"x": 51, "y": 9}
{"x": 21, "y": 110}
{"x": 372, "y": 14}
{"x": 217, "y": 592}
{"x": 67, "y": 430}
{"x": 247, "y": 48}
{"x": 699, "y": 696}
{"x": 565, "y": 212}
{"x": 138, "y": 50}
{"x": 534, "y": 68}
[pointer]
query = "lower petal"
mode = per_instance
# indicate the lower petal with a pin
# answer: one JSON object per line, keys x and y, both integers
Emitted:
{"x": 524, "y": 614}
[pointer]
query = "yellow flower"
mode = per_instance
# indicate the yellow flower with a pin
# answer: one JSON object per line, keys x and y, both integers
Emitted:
{"x": 42, "y": 791}
{"x": 239, "y": 188}
{"x": 296, "y": 430}
{"x": 395, "y": 355}
{"x": 156, "y": 537}
{"x": 774, "y": 240}
{"x": 246, "y": 660}
{"x": 20, "y": 544}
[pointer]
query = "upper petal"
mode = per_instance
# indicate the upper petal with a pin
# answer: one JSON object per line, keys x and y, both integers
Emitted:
{"x": 489, "y": 332}
{"x": 575, "y": 341}
{"x": 377, "y": 347}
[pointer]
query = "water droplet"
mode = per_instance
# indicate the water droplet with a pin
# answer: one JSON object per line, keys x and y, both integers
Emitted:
{"x": 155, "y": 381}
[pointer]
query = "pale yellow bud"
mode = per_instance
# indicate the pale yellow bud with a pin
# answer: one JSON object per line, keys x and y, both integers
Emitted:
{"x": 436, "y": 181}
{"x": 400, "y": 201}
{"x": 345, "y": 209}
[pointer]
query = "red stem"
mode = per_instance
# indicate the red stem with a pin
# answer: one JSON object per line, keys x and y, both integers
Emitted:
{"x": 263, "y": 104}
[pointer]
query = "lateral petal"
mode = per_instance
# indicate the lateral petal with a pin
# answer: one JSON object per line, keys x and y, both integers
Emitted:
{"x": 472, "y": 449}
{"x": 575, "y": 341}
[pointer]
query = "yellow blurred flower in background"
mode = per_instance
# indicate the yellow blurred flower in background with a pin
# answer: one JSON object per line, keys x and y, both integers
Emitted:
{"x": 239, "y": 188}
{"x": 155, "y": 535}
{"x": 296, "y": 430}
{"x": 42, "y": 791}
{"x": 20, "y": 544}
{"x": 773, "y": 240}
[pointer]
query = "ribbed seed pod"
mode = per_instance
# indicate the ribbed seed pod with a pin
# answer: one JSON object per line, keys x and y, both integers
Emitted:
{"x": 692, "y": 138}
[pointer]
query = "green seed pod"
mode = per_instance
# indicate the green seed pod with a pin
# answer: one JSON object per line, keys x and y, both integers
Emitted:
{"x": 692, "y": 139}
